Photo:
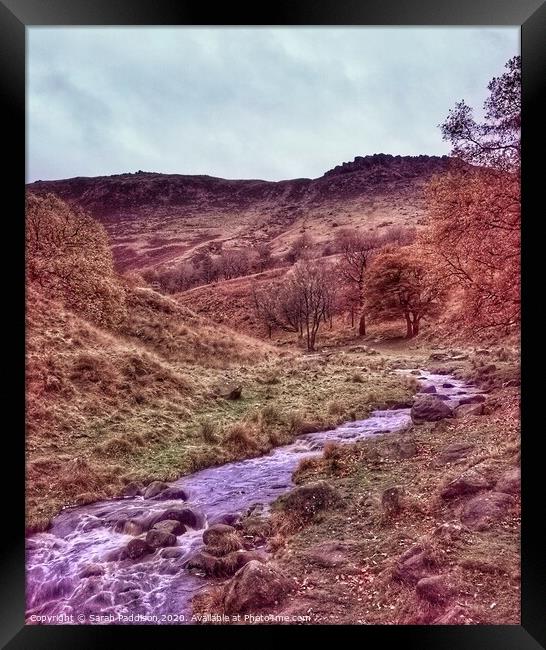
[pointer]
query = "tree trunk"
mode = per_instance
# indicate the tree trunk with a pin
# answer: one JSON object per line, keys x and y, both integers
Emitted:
{"x": 362, "y": 325}
{"x": 415, "y": 327}
{"x": 409, "y": 327}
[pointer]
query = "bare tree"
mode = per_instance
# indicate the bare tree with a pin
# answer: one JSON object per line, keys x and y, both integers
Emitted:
{"x": 300, "y": 303}
{"x": 356, "y": 251}
{"x": 234, "y": 262}
{"x": 265, "y": 306}
{"x": 301, "y": 247}
{"x": 310, "y": 281}
{"x": 206, "y": 265}
{"x": 264, "y": 254}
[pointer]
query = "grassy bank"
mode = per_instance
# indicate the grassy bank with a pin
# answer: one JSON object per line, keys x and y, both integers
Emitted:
{"x": 116, "y": 411}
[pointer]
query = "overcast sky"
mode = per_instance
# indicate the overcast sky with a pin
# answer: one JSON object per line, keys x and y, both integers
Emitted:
{"x": 247, "y": 102}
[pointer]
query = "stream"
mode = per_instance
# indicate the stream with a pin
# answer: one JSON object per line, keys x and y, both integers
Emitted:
{"x": 74, "y": 574}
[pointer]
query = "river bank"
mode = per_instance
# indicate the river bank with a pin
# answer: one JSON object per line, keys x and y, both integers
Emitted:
{"x": 96, "y": 455}
{"x": 442, "y": 551}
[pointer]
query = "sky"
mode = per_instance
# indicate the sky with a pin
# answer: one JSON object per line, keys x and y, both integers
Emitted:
{"x": 269, "y": 103}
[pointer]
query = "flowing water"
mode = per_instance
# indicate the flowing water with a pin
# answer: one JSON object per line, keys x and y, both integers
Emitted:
{"x": 74, "y": 574}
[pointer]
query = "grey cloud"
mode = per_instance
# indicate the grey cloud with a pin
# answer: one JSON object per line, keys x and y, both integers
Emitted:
{"x": 243, "y": 102}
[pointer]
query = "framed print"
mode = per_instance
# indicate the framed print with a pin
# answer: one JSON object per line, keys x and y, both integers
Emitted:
{"x": 273, "y": 320}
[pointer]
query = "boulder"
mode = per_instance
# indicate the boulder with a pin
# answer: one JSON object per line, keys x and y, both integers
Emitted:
{"x": 233, "y": 392}
{"x": 92, "y": 570}
{"x": 115, "y": 555}
{"x": 213, "y": 534}
{"x": 221, "y": 540}
{"x": 229, "y": 518}
{"x": 222, "y": 567}
{"x": 254, "y": 586}
{"x": 467, "y": 483}
{"x": 448, "y": 532}
{"x": 472, "y": 399}
{"x": 509, "y": 481}
{"x": 447, "y": 384}
{"x": 160, "y": 538}
{"x": 172, "y": 552}
{"x": 183, "y": 515}
{"x": 154, "y": 489}
{"x": 136, "y": 548}
{"x": 481, "y": 512}
{"x": 255, "y": 528}
{"x": 466, "y": 410}
{"x": 428, "y": 389}
{"x": 225, "y": 546}
{"x": 413, "y": 565}
{"x": 170, "y": 526}
{"x": 454, "y": 452}
{"x": 306, "y": 500}
{"x": 129, "y": 527}
{"x": 172, "y": 493}
{"x": 429, "y": 409}
{"x": 435, "y": 589}
{"x": 402, "y": 447}
{"x": 132, "y": 489}
{"x": 203, "y": 562}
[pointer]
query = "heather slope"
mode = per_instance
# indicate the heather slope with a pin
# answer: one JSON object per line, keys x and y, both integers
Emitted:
{"x": 161, "y": 219}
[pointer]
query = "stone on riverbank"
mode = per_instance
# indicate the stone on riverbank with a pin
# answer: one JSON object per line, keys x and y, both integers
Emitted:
{"x": 254, "y": 586}
{"x": 429, "y": 409}
{"x": 154, "y": 489}
{"x": 510, "y": 481}
{"x": 484, "y": 510}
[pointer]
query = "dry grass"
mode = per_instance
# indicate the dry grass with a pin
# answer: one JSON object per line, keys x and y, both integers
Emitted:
{"x": 241, "y": 437}
{"x": 209, "y": 431}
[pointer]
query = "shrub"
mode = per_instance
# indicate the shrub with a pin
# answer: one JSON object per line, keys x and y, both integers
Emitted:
{"x": 68, "y": 254}
{"x": 335, "y": 407}
{"x": 270, "y": 414}
{"x": 332, "y": 450}
{"x": 241, "y": 437}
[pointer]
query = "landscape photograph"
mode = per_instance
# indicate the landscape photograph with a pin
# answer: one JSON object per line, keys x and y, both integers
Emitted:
{"x": 272, "y": 326}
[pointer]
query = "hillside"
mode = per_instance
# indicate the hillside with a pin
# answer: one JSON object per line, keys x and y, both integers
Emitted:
{"x": 125, "y": 385}
{"x": 160, "y": 219}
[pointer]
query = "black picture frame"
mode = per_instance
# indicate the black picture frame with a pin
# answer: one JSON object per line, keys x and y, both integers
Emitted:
{"x": 16, "y": 15}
